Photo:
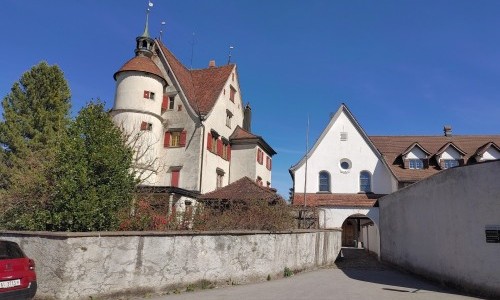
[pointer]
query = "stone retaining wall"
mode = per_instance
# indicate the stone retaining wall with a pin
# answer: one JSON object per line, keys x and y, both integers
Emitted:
{"x": 107, "y": 264}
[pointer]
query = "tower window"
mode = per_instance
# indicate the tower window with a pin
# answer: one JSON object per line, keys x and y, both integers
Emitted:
{"x": 171, "y": 102}
{"x": 145, "y": 126}
{"x": 149, "y": 95}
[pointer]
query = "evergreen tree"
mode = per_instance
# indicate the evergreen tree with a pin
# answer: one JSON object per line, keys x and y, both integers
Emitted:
{"x": 93, "y": 176}
{"x": 35, "y": 117}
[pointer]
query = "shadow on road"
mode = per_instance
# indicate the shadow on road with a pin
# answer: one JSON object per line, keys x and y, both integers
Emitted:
{"x": 361, "y": 265}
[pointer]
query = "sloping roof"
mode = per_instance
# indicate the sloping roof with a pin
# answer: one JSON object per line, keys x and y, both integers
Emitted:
{"x": 141, "y": 64}
{"x": 201, "y": 87}
{"x": 337, "y": 200}
{"x": 244, "y": 189}
{"x": 342, "y": 109}
{"x": 450, "y": 144}
{"x": 485, "y": 147}
{"x": 392, "y": 147}
{"x": 241, "y": 136}
{"x": 413, "y": 146}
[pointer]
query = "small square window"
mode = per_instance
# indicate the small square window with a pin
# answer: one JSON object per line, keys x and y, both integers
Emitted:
{"x": 151, "y": 95}
{"x": 175, "y": 138}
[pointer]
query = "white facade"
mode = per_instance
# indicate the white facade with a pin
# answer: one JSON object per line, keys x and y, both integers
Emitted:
{"x": 171, "y": 134}
{"x": 330, "y": 152}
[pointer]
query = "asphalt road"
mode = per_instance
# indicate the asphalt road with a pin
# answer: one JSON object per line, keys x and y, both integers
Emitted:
{"x": 357, "y": 276}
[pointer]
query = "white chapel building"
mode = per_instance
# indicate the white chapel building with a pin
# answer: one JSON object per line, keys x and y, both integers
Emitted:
{"x": 346, "y": 171}
{"x": 190, "y": 130}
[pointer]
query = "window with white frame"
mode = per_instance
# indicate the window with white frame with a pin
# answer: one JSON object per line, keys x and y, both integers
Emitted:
{"x": 416, "y": 164}
{"x": 450, "y": 163}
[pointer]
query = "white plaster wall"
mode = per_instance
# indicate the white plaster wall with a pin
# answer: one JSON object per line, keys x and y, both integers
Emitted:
{"x": 331, "y": 150}
{"x": 370, "y": 238}
{"x": 243, "y": 160}
{"x": 130, "y": 87}
{"x": 147, "y": 144}
{"x": 261, "y": 170}
{"x": 334, "y": 217}
{"x": 450, "y": 153}
{"x": 216, "y": 120}
{"x": 415, "y": 153}
{"x": 491, "y": 154}
{"x": 436, "y": 227}
{"x": 108, "y": 264}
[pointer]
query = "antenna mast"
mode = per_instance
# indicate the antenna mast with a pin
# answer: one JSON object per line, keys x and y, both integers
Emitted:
{"x": 305, "y": 173}
{"x": 229, "y": 57}
{"x": 161, "y": 29}
{"x": 192, "y": 53}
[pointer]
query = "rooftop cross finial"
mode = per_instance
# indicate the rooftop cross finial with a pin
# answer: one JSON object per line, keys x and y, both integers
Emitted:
{"x": 146, "y": 29}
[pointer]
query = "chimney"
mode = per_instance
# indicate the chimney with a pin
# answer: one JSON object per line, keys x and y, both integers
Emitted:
{"x": 247, "y": 118}
{"x": 211, "y": 64}
{"x": 447, "y": 130}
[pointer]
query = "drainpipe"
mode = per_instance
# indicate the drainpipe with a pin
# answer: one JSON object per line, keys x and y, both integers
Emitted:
{"x": 202, "y": 118}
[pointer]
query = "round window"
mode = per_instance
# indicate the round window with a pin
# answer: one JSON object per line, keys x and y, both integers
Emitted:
{"x": 345, "y": 164}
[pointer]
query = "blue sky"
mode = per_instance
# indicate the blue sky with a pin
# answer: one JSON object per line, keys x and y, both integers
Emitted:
{"x": 402, "y": 67}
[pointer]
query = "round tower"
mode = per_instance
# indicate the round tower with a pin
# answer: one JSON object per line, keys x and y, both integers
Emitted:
{"x": 137, "y": 106}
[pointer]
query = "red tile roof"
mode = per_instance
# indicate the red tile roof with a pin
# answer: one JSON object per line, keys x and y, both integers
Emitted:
{"x": 336, "y": 200}
{"x": 240, "y": 133}
{"x": 201, "y": 87}
{"x": 241, "y": 136}
{"x": 244, "y": 189}
{"x": 141, "y": 64}
{"x": 391, "y": 148}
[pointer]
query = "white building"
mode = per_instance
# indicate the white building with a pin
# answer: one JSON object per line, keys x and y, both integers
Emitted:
{"x": 346, "y": 171}
{"x": 189, "y": 128}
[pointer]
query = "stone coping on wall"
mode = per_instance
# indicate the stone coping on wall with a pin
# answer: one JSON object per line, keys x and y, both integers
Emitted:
{"x": 50, "y": 234}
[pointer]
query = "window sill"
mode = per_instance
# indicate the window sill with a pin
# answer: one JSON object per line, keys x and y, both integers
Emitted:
{"x": 323, "y": 192}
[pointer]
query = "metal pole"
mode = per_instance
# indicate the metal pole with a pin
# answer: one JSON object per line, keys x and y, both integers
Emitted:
{"x": 305, "y": 173}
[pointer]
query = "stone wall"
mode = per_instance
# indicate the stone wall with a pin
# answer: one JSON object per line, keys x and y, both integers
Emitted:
{"x": 436, "y": 227}
{"x": 107, "y": 264}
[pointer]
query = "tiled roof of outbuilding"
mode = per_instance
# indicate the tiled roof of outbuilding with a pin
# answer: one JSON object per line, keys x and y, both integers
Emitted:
{"x": 141, "y": 64}
{"x": 391, "y": 148}
{"x": 337, "y": 200}
{"x": 241, "y": 136}
{"x": 244, "y": 189}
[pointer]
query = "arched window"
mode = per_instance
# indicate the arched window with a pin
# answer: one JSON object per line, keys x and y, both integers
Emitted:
{"x": 324, "y": 181}
{"x": 365, "y": 180}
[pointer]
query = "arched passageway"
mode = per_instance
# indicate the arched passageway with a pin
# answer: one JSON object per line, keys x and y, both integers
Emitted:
{"x": 359, "y": 231}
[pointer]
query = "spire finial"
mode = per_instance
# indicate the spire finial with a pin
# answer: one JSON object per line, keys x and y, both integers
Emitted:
{"x": 146, "y": 27}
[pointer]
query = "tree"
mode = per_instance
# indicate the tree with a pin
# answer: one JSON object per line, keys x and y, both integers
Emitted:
{"x": 93, "y": 178}
{"x": 35, "y": 117}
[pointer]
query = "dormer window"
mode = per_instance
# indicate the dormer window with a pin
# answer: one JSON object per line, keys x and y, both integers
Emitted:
{"x": 415, "y": 157}
{"x": 489, "y": 151}
{"x": 450, "y": 156}
{"x": 415, "y": 164}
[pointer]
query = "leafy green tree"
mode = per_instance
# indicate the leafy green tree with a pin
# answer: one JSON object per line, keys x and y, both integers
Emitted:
{"x": 35, "y": 118}
{"x": 93, "y": 178}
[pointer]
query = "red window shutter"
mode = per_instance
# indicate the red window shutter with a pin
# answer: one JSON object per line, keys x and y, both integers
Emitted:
{"x": 144, "y": 125}
{"x": 164, "y": 103}
{"x": 267, "y": 162}
{"x": 209, "y": 141}
{"x": 219, "y": 147}
{"x": 270, "y": 164}
{"x": 228, "y": 152}
{"x": 146, "y": 94}
{"x": 175, "y": 178}
{"x": 182, "y": 141}
{"x": 166, "y": 140}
